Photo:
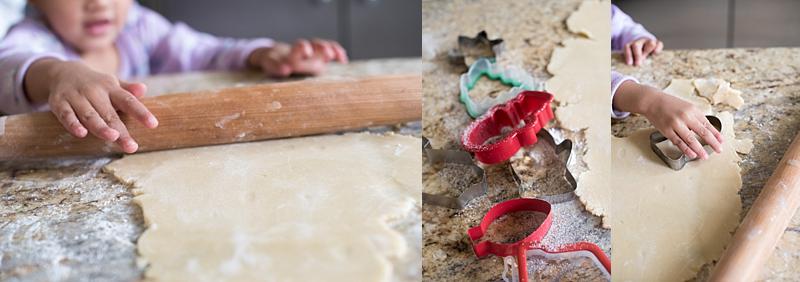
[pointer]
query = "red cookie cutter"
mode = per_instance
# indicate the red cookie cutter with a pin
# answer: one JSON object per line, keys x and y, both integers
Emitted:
{"x": 533, "y": 241}
{"x": 524, "y": 115}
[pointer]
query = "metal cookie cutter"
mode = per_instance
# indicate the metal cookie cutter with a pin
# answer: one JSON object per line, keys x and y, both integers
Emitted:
{"x": 564, "y": 152}
{"x": 679, "y": 162}
{"x": 521, "y": 118}
{"x": 459, "y": 157}
{"x": 520, "y": 249}
{"x": 472, "y": 48}
{"x": 518, "y": 79}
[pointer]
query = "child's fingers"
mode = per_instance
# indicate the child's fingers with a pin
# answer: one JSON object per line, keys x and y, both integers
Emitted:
{"x": 711, "y": 129}
{"x": 637, "y": 52}
{"x": 700, "y": 129}
{"x": 649, "y": 47}
{"x": 66, "y": 116}
{"x": 91, "y": 119}
{"x": 659, "y": 47}
{"x": 137, "y": 89}
{"x": 628, "y": 54}
{"x": 128, "y": 103}
{"x": 688, "y": 137}
{"x": 276, "y": 69}
{"x": 341, "y": 54}
{"x": 301, "y": 50}
{"x": 102, "y": 104}
{"x": 323, "y": 47}
{"x": 676, "y": 140}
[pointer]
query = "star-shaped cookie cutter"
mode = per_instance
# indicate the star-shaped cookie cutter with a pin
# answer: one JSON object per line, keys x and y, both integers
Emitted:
{"x": 473, "y": 48}
{"x": 519, "y": 249}
{"x": 518, "y": 79}
{"x": 514, "y": 124}
{"x": 564, "y": 152}
{"x": 459, "y": 157}
{"x": 680, "y": 162}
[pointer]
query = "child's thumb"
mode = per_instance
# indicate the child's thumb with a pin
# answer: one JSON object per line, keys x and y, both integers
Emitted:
{"x": 136, "y": 88}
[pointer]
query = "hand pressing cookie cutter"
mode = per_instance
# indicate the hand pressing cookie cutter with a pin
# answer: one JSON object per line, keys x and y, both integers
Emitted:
{"x": 518, "y": 79}
{"x": 680, "y": 162}
{"x": 564, "y": 152}
{"x": 523, "y": 116}
{"x": 479, "y": 46}
{"x": 458, "y": 157}
{"x": 520, "y": 248}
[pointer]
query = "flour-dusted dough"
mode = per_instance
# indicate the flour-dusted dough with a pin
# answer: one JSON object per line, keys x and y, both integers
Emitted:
{"x": 580, "y": 85}
{"x": 303, "y": 209}
{"x": 586, "y": 19}
{"x": 719, "y": 91}
{"x": 666, "y": 224}
{"x": 685, "y": 89}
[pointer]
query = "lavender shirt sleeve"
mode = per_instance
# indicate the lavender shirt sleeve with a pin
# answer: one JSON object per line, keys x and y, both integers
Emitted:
{"x": 25, "y": 43}
{"x": 624, "y": 29}
{"x": 177, "y": 47}
{"x": 616, "y": 80}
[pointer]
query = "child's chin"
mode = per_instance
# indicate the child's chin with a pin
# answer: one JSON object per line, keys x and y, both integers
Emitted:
{"x": 95, "y": 43}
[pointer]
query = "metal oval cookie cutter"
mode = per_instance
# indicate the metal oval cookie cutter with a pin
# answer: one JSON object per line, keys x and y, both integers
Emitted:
{"x": 520, "y": 249}
{"x": 679, "y": 162}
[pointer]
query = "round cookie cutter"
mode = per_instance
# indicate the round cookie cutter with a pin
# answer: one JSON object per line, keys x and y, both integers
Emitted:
{"x": 523, "y": 248}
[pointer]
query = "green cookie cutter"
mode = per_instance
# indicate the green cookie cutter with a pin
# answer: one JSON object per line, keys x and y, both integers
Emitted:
{"x": 518, "y": 79}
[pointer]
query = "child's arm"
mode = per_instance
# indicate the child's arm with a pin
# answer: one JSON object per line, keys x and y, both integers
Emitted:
{"x": 632, "y": 38}
{"x": 34, "y": 77}
{"x": 674, "y": 117}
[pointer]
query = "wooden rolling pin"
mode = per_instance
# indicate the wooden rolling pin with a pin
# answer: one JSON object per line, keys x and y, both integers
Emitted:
{"x": 231, "y": 115}
{"x": 761, "y": 229}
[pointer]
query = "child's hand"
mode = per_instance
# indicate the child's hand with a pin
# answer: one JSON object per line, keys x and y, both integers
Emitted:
{"x": 82, "y": 99}
{"x": 303, "y": 57}
{"x": 678, "y": 119}
{"x": 638, "y": 50}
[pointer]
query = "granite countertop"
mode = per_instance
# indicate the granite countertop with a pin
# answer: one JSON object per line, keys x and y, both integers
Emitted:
{"x": 65, "y": 219}
{"x": 769, "y": 79}
{"x": 531, "y": 30}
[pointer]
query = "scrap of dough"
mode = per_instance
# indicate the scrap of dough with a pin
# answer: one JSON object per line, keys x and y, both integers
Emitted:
{"x": 719, "y": 91}
{"x": 285, "y": 210}
{"x": 727, "y": 95}
{"x": 706, "y": 87}
{"x": 580, "y": 85}
{"x": 684, "y": 89}
{"x": 666, "y": 224}
{"x": 585, "y": 20}
{"x": 744, "y": 146}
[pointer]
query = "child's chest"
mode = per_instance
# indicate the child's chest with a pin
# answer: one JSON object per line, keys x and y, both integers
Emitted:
{"x": 105, "y": 61}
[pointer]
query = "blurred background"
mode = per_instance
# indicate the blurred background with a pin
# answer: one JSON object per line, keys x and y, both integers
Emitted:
{"x": 366, "y": 28}
{"x": 693, "y": 24}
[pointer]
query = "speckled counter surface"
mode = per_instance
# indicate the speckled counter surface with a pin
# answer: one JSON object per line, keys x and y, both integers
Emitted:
{"x": 770, "y": 82}
{"x": 66, "y": 220}
{"x": 531, "y": 30}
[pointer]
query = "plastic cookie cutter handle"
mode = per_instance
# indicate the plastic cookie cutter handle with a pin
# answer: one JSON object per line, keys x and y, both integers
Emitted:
{"x": 679, "y": 162}
{"x": 520, "y": 248}
{"x": 517, "y": 78}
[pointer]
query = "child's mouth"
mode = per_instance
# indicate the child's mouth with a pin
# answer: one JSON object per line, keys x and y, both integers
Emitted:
{"x": 97, "y": 27}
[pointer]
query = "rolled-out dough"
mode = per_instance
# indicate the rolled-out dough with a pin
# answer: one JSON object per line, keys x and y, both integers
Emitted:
{"x": 580, "y": 86}
{"x": 302, "y": 209}
{"x": 666, "y": 224}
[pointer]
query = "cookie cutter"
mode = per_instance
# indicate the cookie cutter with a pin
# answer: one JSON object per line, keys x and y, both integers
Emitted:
{"x": 458, "y": 157}
{"x": 476, "y": 47}
{"x": 679, "y": 162}
{"x": 533, "y": 241}
{"x": 522, "y": 117}
{"x": 564, "y": 152}
{"x": 518, "y": 79}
